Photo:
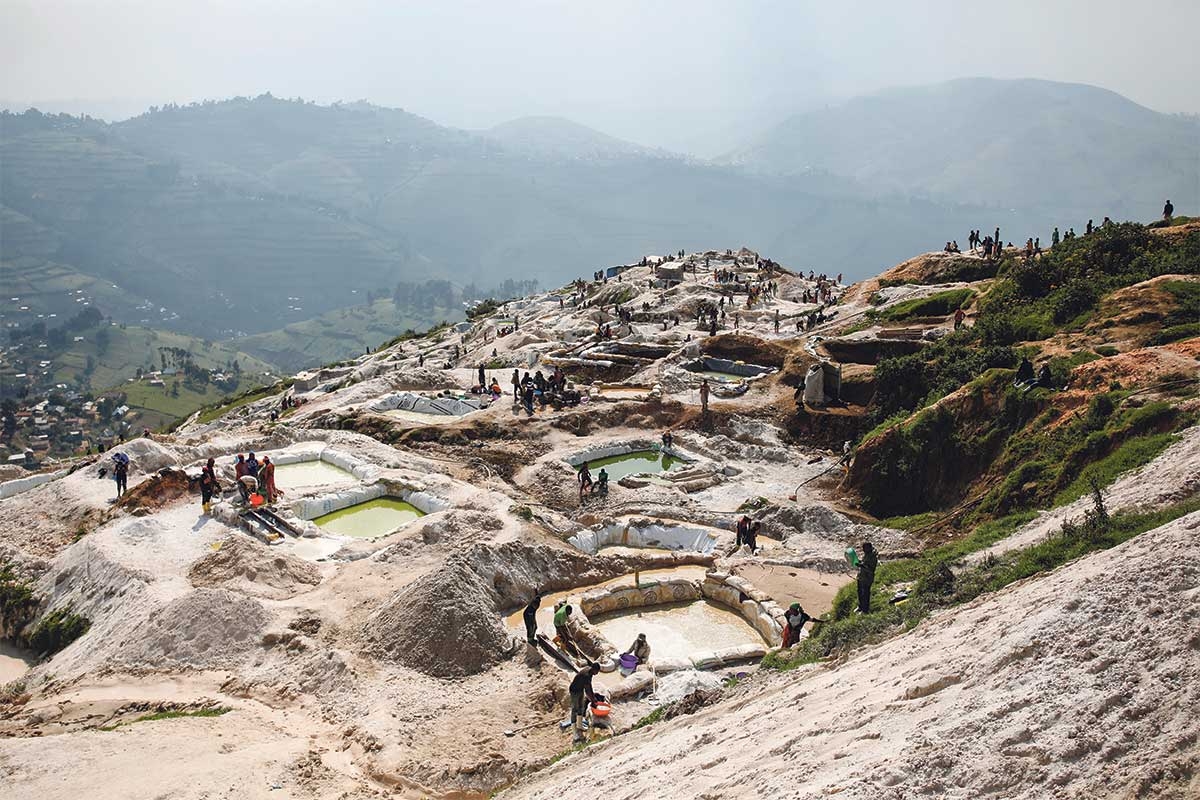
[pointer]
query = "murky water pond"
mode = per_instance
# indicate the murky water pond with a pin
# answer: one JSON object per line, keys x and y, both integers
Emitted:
{"x": 371, "y": 519}
{"x": 678, "y": 630}
{"x": 309, "y": 474}
{"x": 720, "y": 377}
{"x": 627, "y": 550}
{"x": 641, "y": 461}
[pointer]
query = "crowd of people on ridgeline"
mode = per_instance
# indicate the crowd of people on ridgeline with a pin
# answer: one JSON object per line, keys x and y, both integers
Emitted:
{"x": 993, "y": 246}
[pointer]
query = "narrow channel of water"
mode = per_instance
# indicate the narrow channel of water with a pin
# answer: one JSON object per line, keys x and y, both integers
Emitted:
{"x": 371, "y": 519}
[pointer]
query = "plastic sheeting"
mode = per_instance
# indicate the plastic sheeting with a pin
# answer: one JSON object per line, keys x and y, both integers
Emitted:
{"x": 408, "y": 401}
{"x": 667, "y": 537}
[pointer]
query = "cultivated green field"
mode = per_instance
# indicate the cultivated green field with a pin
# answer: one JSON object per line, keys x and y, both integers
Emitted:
{"x": 341, "y": 334}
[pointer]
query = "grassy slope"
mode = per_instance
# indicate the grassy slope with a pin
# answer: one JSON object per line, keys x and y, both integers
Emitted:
{"x": 132, "y": 347}
{"x": 341, "y": 334}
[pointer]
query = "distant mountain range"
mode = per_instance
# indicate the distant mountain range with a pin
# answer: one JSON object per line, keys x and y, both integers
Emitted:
{"x": 556, "y": 136}
{"x": 1049, "y": 147}
{"x": 247, "y": 215}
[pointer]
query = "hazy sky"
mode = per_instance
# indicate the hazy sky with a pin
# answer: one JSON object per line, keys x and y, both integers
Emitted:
{"x": 695, "y": 75}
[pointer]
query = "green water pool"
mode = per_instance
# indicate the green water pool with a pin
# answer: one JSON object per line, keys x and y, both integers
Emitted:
{"x": 637, "y": 462}
{"x": 307, "y": 474}
{"x": 371, "y": 519}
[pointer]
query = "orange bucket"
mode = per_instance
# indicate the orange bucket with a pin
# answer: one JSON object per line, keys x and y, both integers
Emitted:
{"x": 256, "y": 499}
{"x": 601, "y": 709}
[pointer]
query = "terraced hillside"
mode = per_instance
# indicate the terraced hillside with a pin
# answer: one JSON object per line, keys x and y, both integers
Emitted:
{"x": 224, "y": 213}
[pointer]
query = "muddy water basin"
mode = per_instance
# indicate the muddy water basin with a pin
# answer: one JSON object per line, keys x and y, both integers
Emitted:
{"x": 311, "y": 474}
{"x": 678, "y": 630}
{"x": 648, "y": 462}
{"x": 720, "y": 377}
{"x": 370, "y": 520}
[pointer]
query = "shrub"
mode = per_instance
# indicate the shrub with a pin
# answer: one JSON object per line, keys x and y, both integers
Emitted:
{"x": 57, "y": 630}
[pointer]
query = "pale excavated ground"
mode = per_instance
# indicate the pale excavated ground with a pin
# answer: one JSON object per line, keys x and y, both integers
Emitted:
{"x": 318, "y": 711}
{"x": 1080, "y": 684}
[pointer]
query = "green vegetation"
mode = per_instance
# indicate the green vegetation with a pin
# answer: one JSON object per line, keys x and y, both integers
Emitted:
{"x": 17, "y": 600}
{"x": 654, "y": 716}
{"x": 922, "y": 458}
{"x": 1043, "y": 466}
{"x": 908, "y": 382}
{"x": 932, "y": 582}
{"x": 1130, "y": 454}
{"x": 346, "y": 332}
{"x": 199, "y": 712}
{"x": 936, "y": 305}
{"x": 159, "y": 715}
{"x": 245, "y": 398}
{"x": 57, "y": 630}
{"x": 1067, "y": 282}
{"x": 1175, "y": 333}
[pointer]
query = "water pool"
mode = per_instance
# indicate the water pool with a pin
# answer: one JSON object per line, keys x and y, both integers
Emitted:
{"x": 678, "y": 630}
{"x": 308, "y": 474}
{"x": 640, "y": 461}
{"x": 721, "y": 377}
{"x": 371, "y": 519}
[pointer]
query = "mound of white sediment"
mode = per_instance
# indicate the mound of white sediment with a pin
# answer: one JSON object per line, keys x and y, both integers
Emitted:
{"x": 249, "y": 567}
{"x": 1081, "y": 684}
{"x": 442, "y": 624}
{"x": 825, "y": 524}
{"x": 447, "y": 623}
{"x": 205, "y": 628}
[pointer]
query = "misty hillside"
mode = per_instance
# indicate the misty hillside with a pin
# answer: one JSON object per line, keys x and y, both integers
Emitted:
{"x": 557, "y": 136}
{"x": 247, "y": 215}
{"x": 1019, "y": 143}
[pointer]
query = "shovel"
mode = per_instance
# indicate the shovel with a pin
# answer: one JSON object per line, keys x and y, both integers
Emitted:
{"x": 515, "y": 731}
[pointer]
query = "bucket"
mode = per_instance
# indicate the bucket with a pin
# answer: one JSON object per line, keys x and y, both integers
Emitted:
{"x": 256, "y": 499}
{"x": 629, "y": 662}
{"x": 601, "y": 708}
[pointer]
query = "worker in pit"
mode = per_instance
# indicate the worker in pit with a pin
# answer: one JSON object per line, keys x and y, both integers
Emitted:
{"x": 582, "y": 693}
{"x": 640, "y": 649}
{"x": 529, "y": 615}
{"x": 562, "y": 616}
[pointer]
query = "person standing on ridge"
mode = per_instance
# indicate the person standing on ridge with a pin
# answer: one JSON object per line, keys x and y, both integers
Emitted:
{"x": 121, "y": 474}
{"x": 866, "y": 576}
{"x": 1168, "y": 211}
{"x": 704, "y": 390}
{"x": 208, "y": 485}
